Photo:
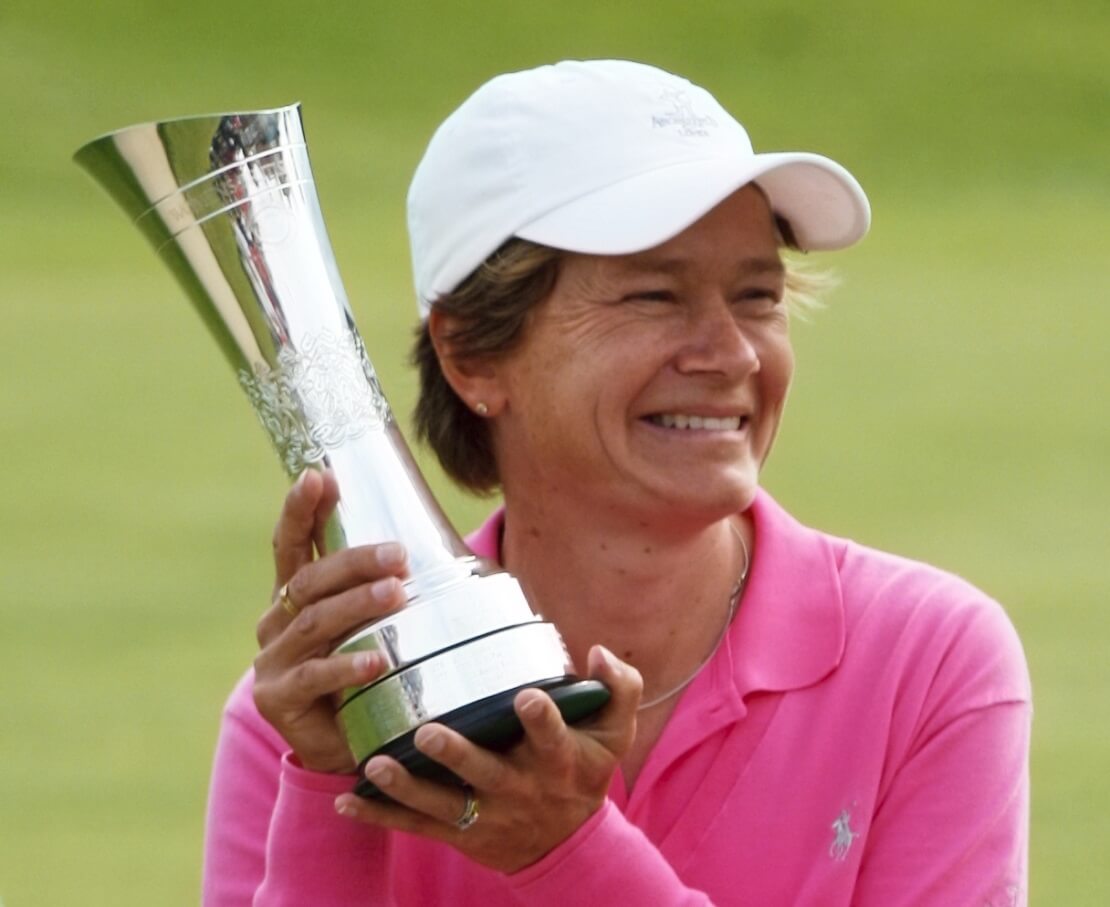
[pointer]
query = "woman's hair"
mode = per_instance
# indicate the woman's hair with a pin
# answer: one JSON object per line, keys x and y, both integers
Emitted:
{"x": 490, "y": 311}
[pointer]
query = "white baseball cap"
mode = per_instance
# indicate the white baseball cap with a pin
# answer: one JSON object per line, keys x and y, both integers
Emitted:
{"x": 606, "y": 157}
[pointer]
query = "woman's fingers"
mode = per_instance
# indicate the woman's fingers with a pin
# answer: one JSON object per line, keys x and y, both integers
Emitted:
{"x": 544, "y": 729}
{"x": 297, "y": 701}
{"x": 478, "y": 767}
{"x": 316, "y": 603}
{"x": 526, "y": 800}
{"x": 369, "y": 573}
{"x": 431, "y": 810}
{"x": 615, "y": 726}
{"x": 295, "y": 532}
{"x": 320, "y": 626}
{"x": 554, "y": 748}
{"x": 329, "y": 497}
{"x": 439, "y": 802}
{"x": 343, "y": 570}
{"x": 323, "y": 677}
{"x": 301, "y": 525}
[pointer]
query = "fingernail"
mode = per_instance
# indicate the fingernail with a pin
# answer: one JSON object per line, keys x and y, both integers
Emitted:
{"x": 365, "y": 662}
{"x": 383, "y": 590}
{"x": 379, "y": 774}
{"x": 344, "y": 807}
{"x": 391, "y": 554}
{"x": 608, "y": 658}
{"x": 433, "y": 742}
{"x": 532, "y": 708}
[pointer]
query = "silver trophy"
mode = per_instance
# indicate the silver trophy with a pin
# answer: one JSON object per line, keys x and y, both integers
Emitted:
{"x": 229, "y": 203}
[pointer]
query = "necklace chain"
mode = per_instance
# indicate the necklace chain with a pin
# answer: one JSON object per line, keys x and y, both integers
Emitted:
{"x": 733, "y": 602}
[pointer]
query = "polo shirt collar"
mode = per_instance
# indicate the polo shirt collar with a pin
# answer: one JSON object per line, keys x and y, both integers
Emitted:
{"x": 485, "y": 541}
{"x": 789, "y": 632}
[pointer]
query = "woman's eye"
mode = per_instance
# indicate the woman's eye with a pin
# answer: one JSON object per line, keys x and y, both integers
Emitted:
{"x": 649, "y": 296}
{"x": 764, "y": 295}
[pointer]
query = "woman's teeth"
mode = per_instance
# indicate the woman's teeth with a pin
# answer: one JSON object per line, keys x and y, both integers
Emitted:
{"x": 705, "y": 423}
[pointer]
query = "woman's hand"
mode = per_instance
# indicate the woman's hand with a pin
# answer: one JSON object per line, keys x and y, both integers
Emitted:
{"x": 295, "y": 677}
{"x": 530, "y": 799}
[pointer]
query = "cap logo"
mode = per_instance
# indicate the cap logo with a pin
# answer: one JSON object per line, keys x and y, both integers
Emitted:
{"x": 681, "y": 116}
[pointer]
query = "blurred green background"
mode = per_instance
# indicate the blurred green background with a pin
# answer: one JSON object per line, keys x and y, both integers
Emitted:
{"x": 951, "y": 402}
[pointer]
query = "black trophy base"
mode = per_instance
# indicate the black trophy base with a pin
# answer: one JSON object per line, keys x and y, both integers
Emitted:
{"x": 490, "y": 723}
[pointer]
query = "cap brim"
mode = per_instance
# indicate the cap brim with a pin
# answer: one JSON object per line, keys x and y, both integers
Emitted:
{"x": 825, "y": 205}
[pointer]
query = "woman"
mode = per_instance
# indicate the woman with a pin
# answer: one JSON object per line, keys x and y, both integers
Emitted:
{"x": 795, "y": 719}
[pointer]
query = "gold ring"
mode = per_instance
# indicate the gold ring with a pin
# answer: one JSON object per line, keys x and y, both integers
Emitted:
{"x": 286, "y": 602}
{"x": 469, "y": 813}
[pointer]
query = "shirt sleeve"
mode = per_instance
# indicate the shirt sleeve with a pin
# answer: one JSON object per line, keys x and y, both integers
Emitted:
{"x": 607, "y": 861}
{"x": 241, "y": 798}
{"x": 272, "y": 835}
{"x": 952, "y": 824}
{"x": 315, "y": 856}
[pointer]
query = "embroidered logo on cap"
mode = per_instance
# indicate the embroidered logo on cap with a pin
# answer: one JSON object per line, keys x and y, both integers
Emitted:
{"x": 681, "y": 116}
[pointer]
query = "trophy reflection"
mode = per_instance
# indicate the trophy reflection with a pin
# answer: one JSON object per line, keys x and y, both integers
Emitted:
{"x": 229, "y": 203}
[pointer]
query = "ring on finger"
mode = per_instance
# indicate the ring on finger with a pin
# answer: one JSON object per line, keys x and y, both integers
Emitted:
{"x": 286, "y": 602}
{"x": 469, "y": 814}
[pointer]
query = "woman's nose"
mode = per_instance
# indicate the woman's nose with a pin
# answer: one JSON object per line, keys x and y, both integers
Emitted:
{"x": 717, "y": 342}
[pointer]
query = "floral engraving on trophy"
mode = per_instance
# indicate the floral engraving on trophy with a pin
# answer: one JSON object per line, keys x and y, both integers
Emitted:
{"x": 316, "y": 397}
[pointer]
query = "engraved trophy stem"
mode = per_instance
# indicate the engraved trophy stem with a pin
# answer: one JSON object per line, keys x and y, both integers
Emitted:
{"x": 230, "y": 205}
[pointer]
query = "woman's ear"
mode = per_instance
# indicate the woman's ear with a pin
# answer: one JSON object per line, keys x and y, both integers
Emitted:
{"x": 475, "y": 379}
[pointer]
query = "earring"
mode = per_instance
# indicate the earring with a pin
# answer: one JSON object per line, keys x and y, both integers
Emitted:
{"x": 481, "y": 409}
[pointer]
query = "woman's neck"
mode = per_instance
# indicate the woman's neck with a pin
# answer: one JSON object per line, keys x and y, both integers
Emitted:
{"x": 658, "y": 599}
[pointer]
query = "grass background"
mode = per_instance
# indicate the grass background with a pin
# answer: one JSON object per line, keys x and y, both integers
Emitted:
{"x": 951, "y": 403}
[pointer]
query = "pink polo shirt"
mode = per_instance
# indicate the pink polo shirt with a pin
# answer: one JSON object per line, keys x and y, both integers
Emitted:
{"x": 861, "y": 737}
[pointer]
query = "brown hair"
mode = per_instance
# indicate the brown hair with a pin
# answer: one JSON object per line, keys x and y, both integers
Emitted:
{"x": 491, "y": 310}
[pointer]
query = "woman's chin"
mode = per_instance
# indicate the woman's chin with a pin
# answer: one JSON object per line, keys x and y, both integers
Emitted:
{"x": 703, "y": 500}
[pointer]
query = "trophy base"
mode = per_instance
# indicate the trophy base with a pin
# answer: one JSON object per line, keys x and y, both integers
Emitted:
{"x": 490, "y": 723}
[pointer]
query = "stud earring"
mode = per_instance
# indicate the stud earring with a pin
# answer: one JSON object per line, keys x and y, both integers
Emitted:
{"x": 481, "y": 409}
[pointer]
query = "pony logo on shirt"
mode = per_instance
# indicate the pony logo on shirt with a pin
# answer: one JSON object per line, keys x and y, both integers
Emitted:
{"x": 843, "y": 836}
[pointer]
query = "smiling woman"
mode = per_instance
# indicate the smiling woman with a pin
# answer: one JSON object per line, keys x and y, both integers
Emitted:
{"x": 487, "y": 314}
{"x": 694, "y": 328}
{"x": 605, "y": 312}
